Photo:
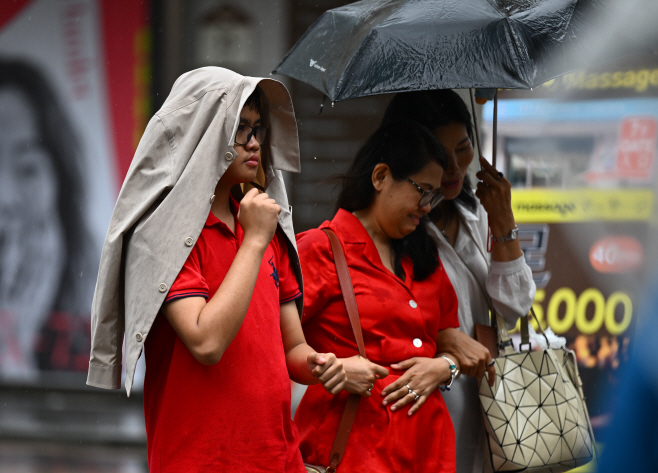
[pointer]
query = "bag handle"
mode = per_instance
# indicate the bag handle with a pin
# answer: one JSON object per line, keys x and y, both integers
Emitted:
{"x": 525, "y": 334}
{"x": 346, "y": 287}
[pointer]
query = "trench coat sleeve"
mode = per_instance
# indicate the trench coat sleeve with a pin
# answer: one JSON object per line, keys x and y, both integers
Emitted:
{"x": 146, "y": 182}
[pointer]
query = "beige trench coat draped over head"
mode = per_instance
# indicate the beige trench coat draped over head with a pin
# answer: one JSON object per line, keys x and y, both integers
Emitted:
{"x": 165, "y": 200}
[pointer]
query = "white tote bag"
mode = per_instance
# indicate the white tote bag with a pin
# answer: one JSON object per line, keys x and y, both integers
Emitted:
{"x": 535, "y": 413}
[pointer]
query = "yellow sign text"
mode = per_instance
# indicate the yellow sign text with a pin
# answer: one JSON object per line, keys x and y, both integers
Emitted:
{"x": 581, "y": 205}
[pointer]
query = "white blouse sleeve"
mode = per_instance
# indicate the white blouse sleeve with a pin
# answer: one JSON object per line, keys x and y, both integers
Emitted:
{"x": 509, "y": 284}
{"x": 511, "y": 288}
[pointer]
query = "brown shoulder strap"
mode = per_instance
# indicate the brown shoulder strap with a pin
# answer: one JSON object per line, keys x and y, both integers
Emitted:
{"x": 347, "y": 289}
{"x": 345, "y": 281}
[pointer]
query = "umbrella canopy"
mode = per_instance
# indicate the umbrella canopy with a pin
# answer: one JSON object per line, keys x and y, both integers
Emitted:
{"x": 383, "y": 46}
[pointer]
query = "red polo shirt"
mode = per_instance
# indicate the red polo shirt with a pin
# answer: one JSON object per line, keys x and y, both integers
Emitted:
{"x": 235, "y": 415}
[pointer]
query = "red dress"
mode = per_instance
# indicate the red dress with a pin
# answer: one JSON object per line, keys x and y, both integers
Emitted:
{"x": 400, "y": 320}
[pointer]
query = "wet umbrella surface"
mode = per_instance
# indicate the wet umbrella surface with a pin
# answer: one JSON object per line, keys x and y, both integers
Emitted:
{"x": 383, "y": 46}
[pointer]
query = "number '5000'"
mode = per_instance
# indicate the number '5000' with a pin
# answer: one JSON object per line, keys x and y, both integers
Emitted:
{"x": 565, "y": 310}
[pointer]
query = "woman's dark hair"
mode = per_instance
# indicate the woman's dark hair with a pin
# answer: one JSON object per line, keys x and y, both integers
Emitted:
{"x": 406, "y": 148}
{"x": 433, "y": 109}
{"x": 59, "y": 139}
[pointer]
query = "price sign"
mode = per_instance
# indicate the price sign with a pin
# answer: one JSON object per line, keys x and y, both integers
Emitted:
{"x": 637, "y": 147}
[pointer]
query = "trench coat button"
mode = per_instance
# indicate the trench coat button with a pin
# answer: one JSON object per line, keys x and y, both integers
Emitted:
{"x": 413, "y": 304}
{"x": 212, "y": 198}
{"x": 139, "y": 337}
{"x": 189, "y": 241}
{"x": 418, "y": 342}
{"x": 162, "y": 287}
{"x": 228, "y": 156}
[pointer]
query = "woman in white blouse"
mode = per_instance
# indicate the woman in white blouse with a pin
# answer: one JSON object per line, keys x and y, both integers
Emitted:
{"x": 459, "y": 224}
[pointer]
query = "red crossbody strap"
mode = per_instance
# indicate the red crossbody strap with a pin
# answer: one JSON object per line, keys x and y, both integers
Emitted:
{"x": 345, "y": 281}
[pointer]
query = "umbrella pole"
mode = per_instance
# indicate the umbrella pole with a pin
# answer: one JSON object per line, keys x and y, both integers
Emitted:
{"x": 495, "y": 130}
{"x": 475, "y": 121}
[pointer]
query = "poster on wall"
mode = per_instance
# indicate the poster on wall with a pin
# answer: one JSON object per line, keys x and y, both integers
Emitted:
{"x": 580, "y": 154}
{"x": 73, "y": 97}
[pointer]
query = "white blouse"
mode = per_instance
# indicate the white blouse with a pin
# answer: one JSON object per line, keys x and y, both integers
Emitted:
{"x": 511, "y": 289}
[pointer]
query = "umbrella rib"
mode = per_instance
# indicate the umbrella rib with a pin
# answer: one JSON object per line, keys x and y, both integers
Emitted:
{"x": 363, "y": 46}
{"x": 348, "y": 70}
{"x": 520, "y": 59}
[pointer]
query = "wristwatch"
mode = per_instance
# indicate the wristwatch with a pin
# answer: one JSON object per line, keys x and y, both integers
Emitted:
{"x": 454, "y": 372}
{"x": 512, "y": 235}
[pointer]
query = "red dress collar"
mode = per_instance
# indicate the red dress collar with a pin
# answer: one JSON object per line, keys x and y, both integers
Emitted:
{"x": 357, "y": 241}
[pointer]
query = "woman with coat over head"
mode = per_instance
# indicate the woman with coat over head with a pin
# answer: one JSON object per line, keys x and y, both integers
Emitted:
{"x": 404, "y": 300}
{"x": 205, "y": 285}
{"x": 459, "y": 226}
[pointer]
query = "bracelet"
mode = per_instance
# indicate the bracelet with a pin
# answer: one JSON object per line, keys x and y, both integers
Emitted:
{"x": 454, "y": 372}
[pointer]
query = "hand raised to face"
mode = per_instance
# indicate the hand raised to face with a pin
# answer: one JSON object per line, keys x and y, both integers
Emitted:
{"x": 258, "y": 216}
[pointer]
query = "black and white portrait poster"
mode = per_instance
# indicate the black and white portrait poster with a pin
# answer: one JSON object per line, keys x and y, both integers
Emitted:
{"x": 73, "y": 97}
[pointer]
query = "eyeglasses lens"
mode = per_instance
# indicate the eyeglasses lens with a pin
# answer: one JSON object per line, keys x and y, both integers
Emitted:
{"x": 431, "y": 198}
{"x": 244, "y": 134}
{"x": 438, "y": 198}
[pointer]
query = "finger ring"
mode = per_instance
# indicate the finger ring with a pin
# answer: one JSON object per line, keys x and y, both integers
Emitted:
{"x": 416, "y": 397}
{"x": 410, "y": 390}
{"x": 499, "y": 176}
{"x": 493, "y": 362}
{"x": 370, "y": 388}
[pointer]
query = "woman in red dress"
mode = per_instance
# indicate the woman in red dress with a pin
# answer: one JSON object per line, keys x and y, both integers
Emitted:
{"x": 404, "y": 299}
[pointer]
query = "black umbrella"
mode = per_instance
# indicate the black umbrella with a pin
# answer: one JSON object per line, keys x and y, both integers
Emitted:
{"x": 382, "y": 46}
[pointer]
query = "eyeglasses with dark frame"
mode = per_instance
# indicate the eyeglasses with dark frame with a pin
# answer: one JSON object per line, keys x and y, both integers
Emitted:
{"x": 433, "y": 198}
{"x": 245, "y": 132}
